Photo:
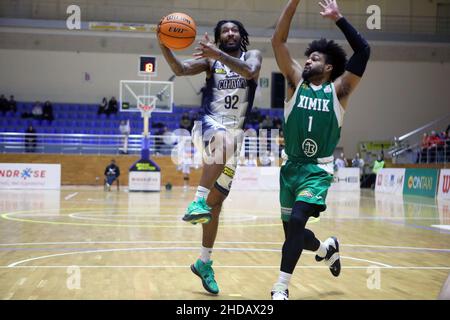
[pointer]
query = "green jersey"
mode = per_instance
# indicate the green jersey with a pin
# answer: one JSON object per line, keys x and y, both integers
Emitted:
{"x": 312, "y": 123}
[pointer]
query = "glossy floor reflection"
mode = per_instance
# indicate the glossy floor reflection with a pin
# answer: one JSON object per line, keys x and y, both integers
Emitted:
{"x": 84, "y": 243}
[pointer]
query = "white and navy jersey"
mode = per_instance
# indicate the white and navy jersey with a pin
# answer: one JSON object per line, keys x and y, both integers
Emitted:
{"x": 228, "y": 97}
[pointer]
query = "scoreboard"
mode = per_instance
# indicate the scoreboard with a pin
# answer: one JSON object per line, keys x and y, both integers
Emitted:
{"x": 147, "y": 66}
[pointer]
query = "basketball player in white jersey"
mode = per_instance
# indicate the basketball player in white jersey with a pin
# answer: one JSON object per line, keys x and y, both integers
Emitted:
{"x": 231, "y": 78}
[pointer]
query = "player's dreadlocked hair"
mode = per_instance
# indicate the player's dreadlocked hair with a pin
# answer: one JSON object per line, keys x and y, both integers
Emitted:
{"x": 244, "y": 34}
{"x": 334, "y": 54}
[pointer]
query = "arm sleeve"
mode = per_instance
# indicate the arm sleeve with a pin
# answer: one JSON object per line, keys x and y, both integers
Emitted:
{"x": 358, "y": 62}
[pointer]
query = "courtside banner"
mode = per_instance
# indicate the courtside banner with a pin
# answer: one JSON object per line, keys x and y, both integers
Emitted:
{"x": 30, "y": 176}
{"x": 444, "y": 184}
{"x": 421, "y": 182}
{"x": 346, "y": 179}
{"x": 257, "y": 178}
{"x": 144, "y": 181}
{"x": 390, "y": 181}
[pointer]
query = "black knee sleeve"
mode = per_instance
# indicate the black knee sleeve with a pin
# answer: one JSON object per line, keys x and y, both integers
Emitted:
{"x": 295, "y": 241}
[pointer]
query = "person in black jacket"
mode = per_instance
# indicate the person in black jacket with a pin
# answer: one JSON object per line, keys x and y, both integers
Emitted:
{"x": 112, "y": 172}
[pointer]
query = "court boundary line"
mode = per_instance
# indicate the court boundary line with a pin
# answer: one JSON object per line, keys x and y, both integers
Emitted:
{"x": 177, "y": 249}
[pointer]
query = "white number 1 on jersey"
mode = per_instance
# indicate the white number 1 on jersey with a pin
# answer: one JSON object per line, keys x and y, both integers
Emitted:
{"x": 310, "y": 124}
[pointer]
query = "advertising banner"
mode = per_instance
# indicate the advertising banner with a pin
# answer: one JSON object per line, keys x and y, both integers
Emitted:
{"x": 257, "y": 178}
{"x": 30, "y": 176}
{"x": 444, "y": 184}
{"x": 346, "y": 179}
{"x": 390, "y": 181}
{"x": 421, "y": 182}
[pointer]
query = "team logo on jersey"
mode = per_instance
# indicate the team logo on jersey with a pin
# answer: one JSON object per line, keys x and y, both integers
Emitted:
{"x": 227, "y": 84}
{"x": 306, "y": 194}
{"x": 305, "y": 86}
{"x": 309, "y": 147}
{"x": 220, "y": 71}
{"x": 327, "y": 89}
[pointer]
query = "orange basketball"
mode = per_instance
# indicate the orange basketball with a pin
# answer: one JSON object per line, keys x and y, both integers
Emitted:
{"x": 177, "y": 31}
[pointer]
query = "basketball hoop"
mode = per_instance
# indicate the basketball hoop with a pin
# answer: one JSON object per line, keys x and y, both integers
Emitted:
{"x": 146, "y": 109}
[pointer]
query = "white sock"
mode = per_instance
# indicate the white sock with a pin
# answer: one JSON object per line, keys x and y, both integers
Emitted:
{"x": 201, "y": 193}
{"x": 205, "y": 254}
{"x": 284, "y": 279}
{"x": 322, "y": 251}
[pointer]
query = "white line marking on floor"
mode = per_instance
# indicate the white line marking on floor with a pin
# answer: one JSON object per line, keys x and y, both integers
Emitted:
{"x": 172, "y": 249}
{"x": 70, "y": 196}
{"x": 441, "y": 226}
{"x": 227, "y": 267}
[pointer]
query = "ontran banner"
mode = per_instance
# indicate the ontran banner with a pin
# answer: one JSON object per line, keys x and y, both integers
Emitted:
{"x": 30, "y": 176}
{"x": 421, "y": 182}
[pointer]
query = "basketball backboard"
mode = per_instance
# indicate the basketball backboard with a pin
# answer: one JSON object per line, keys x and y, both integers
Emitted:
{"x": 146, "y": 93}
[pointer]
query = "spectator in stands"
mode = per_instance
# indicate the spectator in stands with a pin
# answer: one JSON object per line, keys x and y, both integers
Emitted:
{"x": 102, "y": 107}
{"x": 30, "y": 139}
{"x": 37, "y": 111}
{"x": 125, "y": 130}
{"x": 47, "y": 111}
{"x": 267, "y": 123}
{"x": 3, "y": 104}
{"x": 112, "y": 172}
{"x": 255, "y": 116}
{"x": 340, "y": 162}
{"x": 378, "y": 164}
{"x": 186, "y": 122}
{"x": 159, "y": 139}
{"x": 12, "y": 104}
{"x": 113, "y": 106}
{"x": 277, "y": 123}
{"x": 425, "y": 141}
{"x": 357, "y": 162}
{"x": 434, "y": 140}
{"x": 370, "y": 179}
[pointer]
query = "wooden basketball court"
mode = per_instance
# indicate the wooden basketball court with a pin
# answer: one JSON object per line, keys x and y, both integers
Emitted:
{"x": 85, "y": 243}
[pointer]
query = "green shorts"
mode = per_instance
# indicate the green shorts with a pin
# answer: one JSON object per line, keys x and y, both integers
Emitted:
{"x": 302, "y": 182}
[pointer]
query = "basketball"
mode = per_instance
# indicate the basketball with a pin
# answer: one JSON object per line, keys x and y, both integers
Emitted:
{"x": 177, "y": 31}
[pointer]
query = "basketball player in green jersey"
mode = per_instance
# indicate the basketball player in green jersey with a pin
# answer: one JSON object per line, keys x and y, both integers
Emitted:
{"x": 317, "y": 98}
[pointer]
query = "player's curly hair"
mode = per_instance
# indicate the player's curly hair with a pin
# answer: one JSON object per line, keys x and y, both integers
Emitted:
{"x": 334, "y": 53}
{"x": 244, "y": 34}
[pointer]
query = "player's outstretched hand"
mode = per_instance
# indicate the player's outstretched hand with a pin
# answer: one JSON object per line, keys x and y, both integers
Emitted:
{"x": 330, "y": 10}
{"x": 207, "y": 49}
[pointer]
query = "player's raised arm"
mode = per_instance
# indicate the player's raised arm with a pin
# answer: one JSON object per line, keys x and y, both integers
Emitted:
{"x": 249, "y": 68}
{"x": 356, "y": 66}
{"x": 288, "y": 66}
{"x": 183, "y": 68}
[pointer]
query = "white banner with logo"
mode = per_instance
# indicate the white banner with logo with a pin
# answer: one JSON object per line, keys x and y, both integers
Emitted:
{"x": 257, "y": 178}
{"x": 390, "y": 181}
{"x": 444, "y": 184}
{"x": 144, "y": 181}
{"x": 346, "y": 179}
{"x": 30, "y": 176}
